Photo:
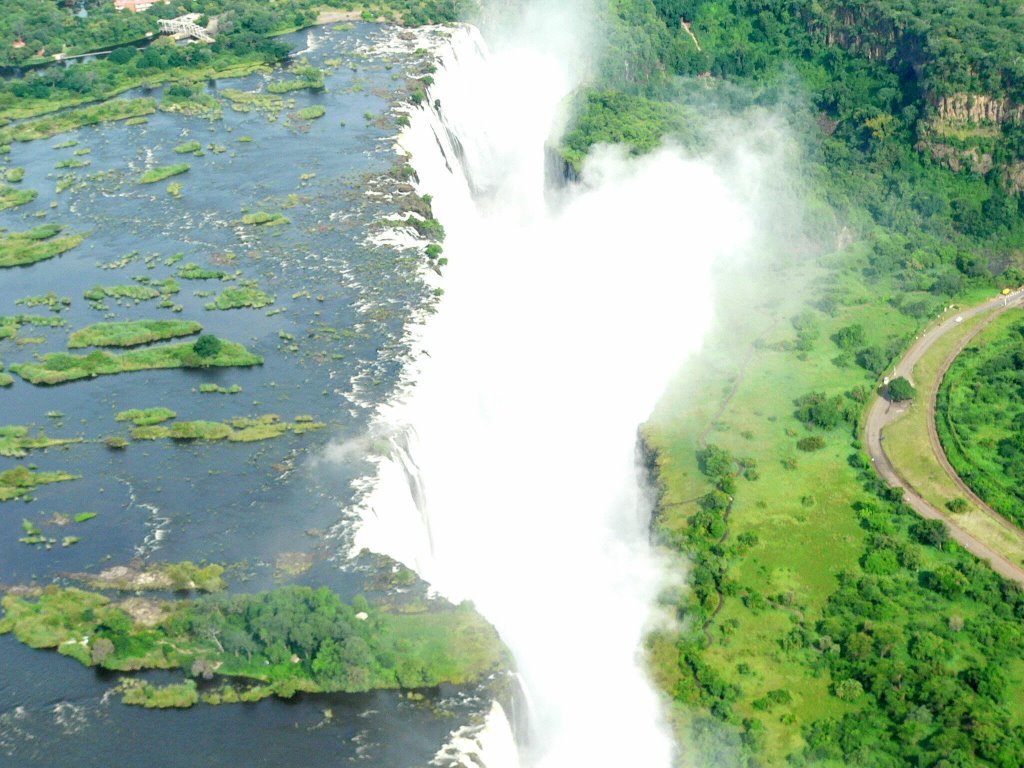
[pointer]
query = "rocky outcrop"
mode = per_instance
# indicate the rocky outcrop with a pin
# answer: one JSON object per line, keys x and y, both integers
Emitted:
{"x": 976, "y": 108}
{"x": 1015, "y": 177}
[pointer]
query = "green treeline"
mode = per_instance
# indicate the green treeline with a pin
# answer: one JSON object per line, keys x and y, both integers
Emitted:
{"x": 244, "y": 39}
{"x": 291, "y": 639}
{"x": 980, "y": 416}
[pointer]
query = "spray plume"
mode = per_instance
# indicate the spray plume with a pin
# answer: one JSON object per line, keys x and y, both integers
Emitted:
{"x": 559, "y": 328}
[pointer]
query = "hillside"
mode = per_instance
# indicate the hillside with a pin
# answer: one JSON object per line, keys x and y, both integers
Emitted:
{"x": 825, "y": 623}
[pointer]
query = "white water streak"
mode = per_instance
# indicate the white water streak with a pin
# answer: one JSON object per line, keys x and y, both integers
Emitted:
{"x": 515, "y": 484}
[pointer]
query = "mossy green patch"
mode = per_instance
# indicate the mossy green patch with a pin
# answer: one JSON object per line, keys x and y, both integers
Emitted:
{"x": 19, "y": 481}
{"x": 151, "y": 289}
{"x": 240, "y": 297}
{"x": 234, "y": 389}
{"x": 165, "y": 172}
{"x": 192, "y": 271}
{"x": 311, "y": 113}
{"x": 12, "y": 197}
{"x": 238, "y": 430}
{"x": 261, "y": 218}
{"x": 60, "y": 367}
{"x": 144, "y": 417}
{"x": 16, "y": 442}
{"x": 133, "y": 333}
{"x": 21, "y": 249}
{"x": 43, "y": 128}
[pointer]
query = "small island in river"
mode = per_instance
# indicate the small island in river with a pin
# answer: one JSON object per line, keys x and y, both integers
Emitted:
{"x": 273, "y": 643}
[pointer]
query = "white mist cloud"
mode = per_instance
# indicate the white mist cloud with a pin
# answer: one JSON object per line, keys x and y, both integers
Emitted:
{"x": 559, "y": 329}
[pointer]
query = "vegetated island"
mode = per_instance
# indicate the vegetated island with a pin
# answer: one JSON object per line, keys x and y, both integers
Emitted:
{"x": 45, "y": 127}
{"x": 165, "y": 172}
{"x": 238, "y": 430}
{"x": 60, "y": 367}
{"x": 16, "y": 483}
{"x": 16, "y": 442}
{"x": 20, "y": 249}
{"x": 276, "y": 643}
{"x": 131, "y": 334}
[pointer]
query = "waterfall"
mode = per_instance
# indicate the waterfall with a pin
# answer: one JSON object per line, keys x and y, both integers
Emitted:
{"x": 513, "y": 478}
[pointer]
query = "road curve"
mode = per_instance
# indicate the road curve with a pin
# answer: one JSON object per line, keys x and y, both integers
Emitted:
{"x": 883, "y": 413}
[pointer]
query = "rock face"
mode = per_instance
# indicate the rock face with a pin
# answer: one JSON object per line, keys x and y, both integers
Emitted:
{"x": 961, "y": 130}
{"x": 976, "y": 108}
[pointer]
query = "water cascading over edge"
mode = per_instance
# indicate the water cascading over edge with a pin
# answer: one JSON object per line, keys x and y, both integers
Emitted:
{"x": 514, "y": 481}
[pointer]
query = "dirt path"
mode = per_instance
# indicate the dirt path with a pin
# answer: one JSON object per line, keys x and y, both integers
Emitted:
{"x": 883, "y": 413}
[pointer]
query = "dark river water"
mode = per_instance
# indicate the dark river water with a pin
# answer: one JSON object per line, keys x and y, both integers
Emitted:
{"x": 333, "y": 347}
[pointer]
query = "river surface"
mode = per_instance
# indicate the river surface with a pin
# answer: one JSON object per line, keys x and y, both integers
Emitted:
{"x": 334, "y": 346}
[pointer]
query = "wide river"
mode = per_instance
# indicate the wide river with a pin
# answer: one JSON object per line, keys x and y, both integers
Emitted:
{"x": 275, "y": 511}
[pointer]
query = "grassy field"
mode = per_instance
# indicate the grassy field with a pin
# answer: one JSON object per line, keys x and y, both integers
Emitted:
{"x": 60, "y": 367}
{"x": 739, "y": 394}
{"x": 131, "y": 334}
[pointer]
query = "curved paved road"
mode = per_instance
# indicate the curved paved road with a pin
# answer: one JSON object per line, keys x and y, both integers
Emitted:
{"x": 883, "y": 413}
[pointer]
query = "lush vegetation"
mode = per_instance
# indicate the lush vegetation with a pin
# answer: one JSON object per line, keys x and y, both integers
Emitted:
{"x": 244, "y": 42}
{"x": 61, "y": 367}
{"x": 45, "y": 127}
{"x": 980, "y": 416}
{"x": 12, "y": 197}
{"x": 237, "y": 298}
{"x": 20, "y": 249}
{"x": 146, "y": 417}
{"x": 263, "y": 218}
{"x": 192, "y": 271}
{"x": 143, "y": 291}
{"x": 165, "y": 172}
{"x": 18, "y": 482}
{"x": 238, "y": 430}
{"x": 16, "y": 442}
{"x": 826, "y": 624}
{"x": 311, "y": 113}
{"x": 292, "y": 639}
{"x": 131, "y": 333}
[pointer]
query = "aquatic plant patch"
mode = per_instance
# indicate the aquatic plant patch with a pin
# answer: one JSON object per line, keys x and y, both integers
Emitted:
{"x": 133, "y": 333}
{"x": 61, "y": 367}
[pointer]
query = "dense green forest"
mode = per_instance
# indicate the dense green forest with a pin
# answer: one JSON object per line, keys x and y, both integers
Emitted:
{"x": 980, "y": 416}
